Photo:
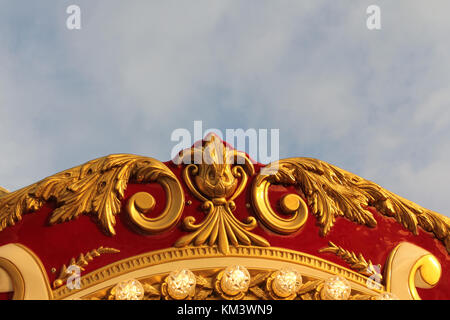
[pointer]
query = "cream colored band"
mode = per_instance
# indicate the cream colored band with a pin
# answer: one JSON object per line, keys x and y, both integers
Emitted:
{"x": 22, "y": 272}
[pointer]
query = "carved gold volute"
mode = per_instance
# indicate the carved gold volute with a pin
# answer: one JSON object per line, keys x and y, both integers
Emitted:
{"x": 217, "y": 175}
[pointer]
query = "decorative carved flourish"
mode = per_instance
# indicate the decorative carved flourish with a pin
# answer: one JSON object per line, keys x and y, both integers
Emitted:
{"x": 409, "y": 266}
{"x": 310, "y": 290}
{"x": 290, "y": 204}
{"x": 3, "y": 191}
{"x": 81, "y": 262}
{"x": 96, "y": 187}
{"x": 207, "y": 288}
{"x": 170, "y": 255}
{"x": 215, "y": 182}
{"x": 331, "y": 192}
{"x": 357, "y": 262}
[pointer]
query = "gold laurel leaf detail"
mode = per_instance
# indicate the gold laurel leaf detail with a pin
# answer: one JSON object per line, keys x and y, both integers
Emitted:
{"x": 203, "y": 282}
{"x": 356, "y": 262}
{"x": 258, "y": 292}
{"x": 203, "y": 294}
{"x": 215, "y": 180}
{"x": 309, "y": 286}
{"x": 306, "y": 296}
{"x": 82, "y": 261}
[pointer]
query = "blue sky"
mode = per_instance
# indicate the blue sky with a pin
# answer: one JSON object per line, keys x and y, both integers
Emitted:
{"x": 376, "y": 103}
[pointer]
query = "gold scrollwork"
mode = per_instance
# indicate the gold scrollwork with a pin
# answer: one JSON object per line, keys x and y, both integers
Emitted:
{"x": 208, "y": 287}
{"x": 81, "y": 262}
{"x": 16, "y": 278}
{"x": 3, "y": 191}
{"x": 357, "y": 262}
{"x": 425, "y": 273}
{"x": 96, "y": 187}
{"x": 409, "y": 266}
{"x": 143, "y": 202}
{"x": 290, "y": 204}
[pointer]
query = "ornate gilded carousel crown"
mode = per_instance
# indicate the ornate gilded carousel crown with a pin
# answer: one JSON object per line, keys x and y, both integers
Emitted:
{"x": 212, "y": 224}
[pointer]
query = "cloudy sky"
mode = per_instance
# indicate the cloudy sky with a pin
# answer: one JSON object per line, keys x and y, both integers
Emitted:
{"x": 376, "y": 103}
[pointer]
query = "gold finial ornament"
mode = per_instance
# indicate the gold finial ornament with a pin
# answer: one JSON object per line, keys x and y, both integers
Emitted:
{"x": 97, "y": 187}
{"x": 217, "y": 177}
{"x": 81, "y": 262}
{"x": 284, "y": 284}
{"x": 336, "y": 288}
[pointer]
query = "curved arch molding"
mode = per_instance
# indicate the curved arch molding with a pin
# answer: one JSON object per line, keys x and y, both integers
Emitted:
{"x": 24, "y": 273}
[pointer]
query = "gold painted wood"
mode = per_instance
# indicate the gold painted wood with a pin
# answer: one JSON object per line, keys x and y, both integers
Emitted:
{"x": 215, "y": 181}
{"x": 3, "y": 191}
{"x": 208, "y": 288}
{"x": 96, "y": 187}
{"x": 142, "y": 202}
{"x": 409, "y": 266}
{"x": 356, "y": 262}
{"x": 332, "y": 192}
{"x": 82, "y": 261}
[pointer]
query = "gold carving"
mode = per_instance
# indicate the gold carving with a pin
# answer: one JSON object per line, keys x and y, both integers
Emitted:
{"x": 171, "y": 255}
{"x": 208, "y": 288}
{"x": 82, "y": 261}
{"x": 290, "y": 204}
{"x": 215, "y": 182}
{"x": 331, "y": 192}
{"x": 3, "y": 191}
{"x": 95, "y": 187}
{"x": 357, "y": 262}
{"x": 409, "y": 266}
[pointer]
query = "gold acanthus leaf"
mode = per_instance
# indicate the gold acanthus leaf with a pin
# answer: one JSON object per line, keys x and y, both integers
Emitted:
{"x": 81, "y": 262}
{"x": 331, "y": 192}
{"x": 3, "y": 191}
{"x": 96, "y": 187}
{"x": 356, "y": 262}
